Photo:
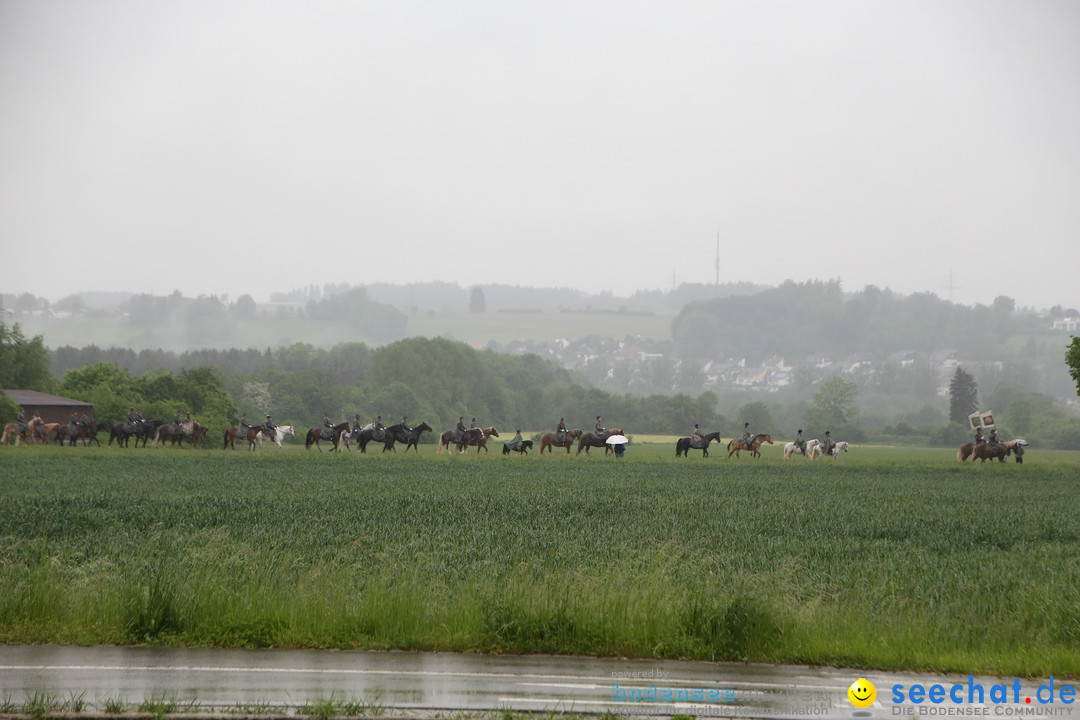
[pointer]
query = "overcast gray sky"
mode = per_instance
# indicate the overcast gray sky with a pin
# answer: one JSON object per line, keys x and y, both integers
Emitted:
{"x": 247, "y": 147}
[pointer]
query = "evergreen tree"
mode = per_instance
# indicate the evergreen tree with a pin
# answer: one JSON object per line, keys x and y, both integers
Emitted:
{"x": 477, "y": 301}
{"x": 963, "y": 396}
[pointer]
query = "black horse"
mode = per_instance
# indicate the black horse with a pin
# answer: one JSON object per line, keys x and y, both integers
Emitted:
{"x": 591, "y": 440}
{"x": 122, "y": 432}
{"x": 368, "y": 435}
{"x": 523, "y": 447}
{"x": 685, "y": 445}
{"x": 399, "y": 434}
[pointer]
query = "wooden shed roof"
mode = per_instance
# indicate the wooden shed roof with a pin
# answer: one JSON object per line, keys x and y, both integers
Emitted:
{"x": 35, "y": 398}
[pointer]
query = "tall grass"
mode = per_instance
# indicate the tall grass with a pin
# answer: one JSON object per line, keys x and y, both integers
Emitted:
{"x": 869, "y": 563}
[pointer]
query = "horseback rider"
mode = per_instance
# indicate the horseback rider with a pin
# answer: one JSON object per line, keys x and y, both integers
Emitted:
{"x": 600, "y": 430}
{"x": 828, "y": 444}
{"x": 134, "y": 417}
{"x": 979, "y": 439}
{"x": 747, "y": 435}
{"x": 177, "y": 421}
{"x": 993, "y": 437}
{"x": 560, "y": 431}
{"x": 697, "y": 440}
{"x": 800, "y": 442}
{"x": 20, "y": 421}
{"x": 515, "y": 442}
{"x": 271, "y": 428}
{"x": 405, "y": 423}
{"x": 328, "y": 427}
{"x": 459, "y": 430}
{"x": 378, "y": 430}
{"x": 245, "y": 425}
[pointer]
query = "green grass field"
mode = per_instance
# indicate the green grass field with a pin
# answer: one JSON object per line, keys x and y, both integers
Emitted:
{"x": 888, "y": 558}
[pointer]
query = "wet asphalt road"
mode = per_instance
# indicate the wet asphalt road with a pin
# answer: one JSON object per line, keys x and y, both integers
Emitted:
{"x": 217, "y": 678}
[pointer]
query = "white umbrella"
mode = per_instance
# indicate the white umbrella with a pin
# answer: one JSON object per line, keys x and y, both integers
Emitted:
{"x": 617, "y": 440}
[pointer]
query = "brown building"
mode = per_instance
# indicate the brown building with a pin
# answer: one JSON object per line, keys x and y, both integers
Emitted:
{"x": 51, "y": 408}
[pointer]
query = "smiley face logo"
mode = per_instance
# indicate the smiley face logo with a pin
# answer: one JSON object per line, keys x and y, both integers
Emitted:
{"x": 862, "y": 693}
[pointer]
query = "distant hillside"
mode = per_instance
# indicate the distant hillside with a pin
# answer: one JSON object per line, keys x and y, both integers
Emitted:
{"x": 805, "y": 319}
{"x": 441, "y": 297}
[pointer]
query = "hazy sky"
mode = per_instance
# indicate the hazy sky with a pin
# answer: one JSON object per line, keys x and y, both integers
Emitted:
{"x": 247, "y": 147}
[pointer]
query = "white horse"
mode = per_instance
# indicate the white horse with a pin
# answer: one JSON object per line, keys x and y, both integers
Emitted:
{"x": 812, "y": 449}
{"x": 838, "y": 448}
{"x": 282, "y": 431}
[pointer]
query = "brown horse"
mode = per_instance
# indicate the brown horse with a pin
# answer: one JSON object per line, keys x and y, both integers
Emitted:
{"x": 447, "y": 439}
{"x": 314, "y": 435}
{"x": 983, "y": 451}
{"x": 472, "y": 436}
{"x": 590, "y": 440}
{"x": 1016, "y": 447}
{"x": 48, "y": 430}
{"x": 735, "y": 445}
{"x": 481, "y": 440}
{"x": 13, "y": 435}
{"x": 249, "y": 434}
{"x": 547, "y": 440}
{"x": 86, "y": 433}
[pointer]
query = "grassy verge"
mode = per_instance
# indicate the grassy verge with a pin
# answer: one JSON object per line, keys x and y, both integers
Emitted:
{"x": 878, "y": 561}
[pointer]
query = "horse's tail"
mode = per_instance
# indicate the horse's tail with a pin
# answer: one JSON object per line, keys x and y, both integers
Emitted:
{"x": 960, "y": 454}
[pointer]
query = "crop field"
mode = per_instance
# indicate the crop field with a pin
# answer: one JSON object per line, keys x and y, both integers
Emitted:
{"x": 885, "y": 559}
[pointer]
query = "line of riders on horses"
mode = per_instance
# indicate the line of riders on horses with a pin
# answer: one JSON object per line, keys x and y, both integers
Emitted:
{"x": 81, "y": 428}
{"x": 461, "y": 438}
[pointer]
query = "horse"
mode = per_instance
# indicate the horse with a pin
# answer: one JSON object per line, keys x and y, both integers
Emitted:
{"x": 122, "y": 432}
{"x": 248, "y": 434}
{"x": 447, "y": 439}
{"x": 480, "y": 441}
{"x": 279, "y": 432}
{"x": 686, "y": 444}
{"x": 411, "y": 438}
{"x": 1016, "y": 447}
{"x": 837, "y": 448}
{"x": 591, "y": 440}
{"x": 549, "y": 441}
{"x": 14, "y": 435}
{"x": 48, "y": 430}
{"x": 366, "y": 435}
{"x": 191, "y": 430}
{"x": 988, "y": 451}
{"x": 86, "y": 433}
{"x": 735, "y": 445}
{"x": 314, "y": 435}
{"x": 522, "y": 448}
{"x": 813, "y": 449}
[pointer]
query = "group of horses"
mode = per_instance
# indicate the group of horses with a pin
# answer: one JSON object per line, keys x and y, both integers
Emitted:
{"x": 992, "y": 451}
{"x": 341, "y": 435}
{"x": 585, "y": 440}
{"x": 37, "y": 430}
{"x": 735, "y": 446}
{"x": 813, "y": 449}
